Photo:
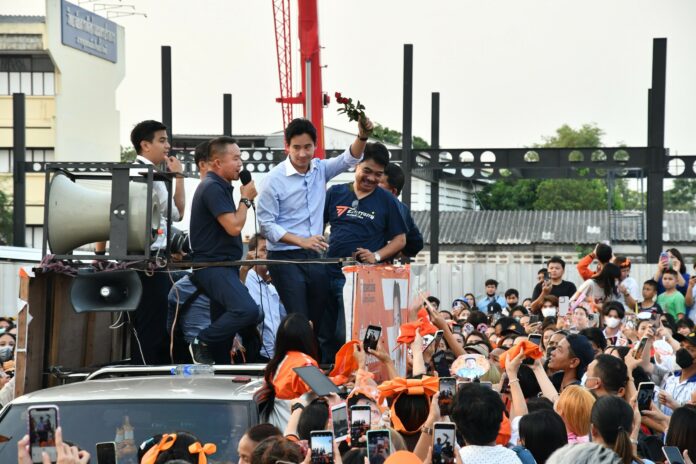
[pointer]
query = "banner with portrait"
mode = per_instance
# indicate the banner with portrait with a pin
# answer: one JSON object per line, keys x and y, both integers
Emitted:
{"x": 377, "y": 295}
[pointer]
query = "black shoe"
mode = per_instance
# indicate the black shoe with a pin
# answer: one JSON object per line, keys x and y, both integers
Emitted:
{"x": 200, "y": 353}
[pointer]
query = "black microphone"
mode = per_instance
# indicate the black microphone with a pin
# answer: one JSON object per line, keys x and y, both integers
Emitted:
{"x": 245, "y": 177}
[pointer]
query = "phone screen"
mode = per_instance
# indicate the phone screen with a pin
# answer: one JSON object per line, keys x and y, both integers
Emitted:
{"x": 359, "y": 424}
{"x": 457, "y": 329}
{"x": 378, "y": 446}
{"x": 372, "y": 337}
{"x": 444, "y": 437}
{"x": 646, "y": 391}
{"x": 339, "y": 419}
{"x": 322, "y": 444}
{"x": 106, "y": 453}
{"x": 43, "y": 421}
{"x": 673, "y": 455}
{"x": 435, "y": 341}
{"x": 448, "y": 386}
{"x": 535, "y": 338}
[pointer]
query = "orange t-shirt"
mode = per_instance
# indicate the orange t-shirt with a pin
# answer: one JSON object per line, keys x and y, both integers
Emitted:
{"x": 286, "y": 383}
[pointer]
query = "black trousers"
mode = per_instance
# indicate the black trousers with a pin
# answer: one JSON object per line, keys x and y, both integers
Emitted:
{"x": 149, "y": 339}
{"x": 305, "y": 289}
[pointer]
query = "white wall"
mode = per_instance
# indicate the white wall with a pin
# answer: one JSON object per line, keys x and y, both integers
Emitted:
{"x": 87, "y": 121}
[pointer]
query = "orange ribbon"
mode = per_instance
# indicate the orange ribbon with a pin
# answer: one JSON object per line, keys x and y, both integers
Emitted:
{"x": 345, "y": 363}
{"x": 531, "y": 350}
{"x": 164, "y": 444}
{"x": 203, "y": 451}
{"x": 427, "y": 386}
{"x": 423, "y": 324}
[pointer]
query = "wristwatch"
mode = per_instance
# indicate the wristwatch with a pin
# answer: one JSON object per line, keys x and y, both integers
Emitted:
{"x": 296, "y": 406}
{"x": 363, "y": 139}
{"x": 427, "y": 430}
{"x": 246, "y": 202}
{"x": 378, "y": 258}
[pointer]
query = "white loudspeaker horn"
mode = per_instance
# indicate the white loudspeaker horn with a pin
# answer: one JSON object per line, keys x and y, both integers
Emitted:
{"x": 78, "y": 215}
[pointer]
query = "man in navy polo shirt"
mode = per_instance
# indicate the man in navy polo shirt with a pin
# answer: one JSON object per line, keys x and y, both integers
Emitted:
{"x": 366, "y": 222}
{"x": 215, "y": 232}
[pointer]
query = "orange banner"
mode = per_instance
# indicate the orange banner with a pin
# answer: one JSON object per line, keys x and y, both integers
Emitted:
{"x": 377, "y": 295}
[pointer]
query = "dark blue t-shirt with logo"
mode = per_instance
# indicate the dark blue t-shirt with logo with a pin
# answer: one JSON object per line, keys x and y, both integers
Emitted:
{"x": 367, "y": 223}
{"x": 209, "y": 240}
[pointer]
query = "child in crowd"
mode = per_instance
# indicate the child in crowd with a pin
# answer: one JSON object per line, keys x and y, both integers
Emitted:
{"x": 649, "y": 302}
{"x": 671, "y": 300}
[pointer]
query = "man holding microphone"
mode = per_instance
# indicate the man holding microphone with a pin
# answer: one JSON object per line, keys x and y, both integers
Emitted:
{"x": 216, "y": 227}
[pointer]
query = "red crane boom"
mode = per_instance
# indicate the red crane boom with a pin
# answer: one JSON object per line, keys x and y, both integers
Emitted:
{"x": 311, "y": 97}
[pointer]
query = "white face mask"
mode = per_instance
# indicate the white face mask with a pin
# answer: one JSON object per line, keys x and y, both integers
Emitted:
{"x": 548, "y": 312}
{"x": 612, "y": 322}
{"x": 667, "y": 362}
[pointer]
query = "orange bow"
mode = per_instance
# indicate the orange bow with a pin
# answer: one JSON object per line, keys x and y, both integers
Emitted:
{"x": 531, "y": 350}
{"x": 203, "y": 451}
{"x": 345, "y": 363}
{"x": 427, "y": 386}
{"x": 408, "y": 330}
{"x": 365, "y": 385}
{"x": 164, "y": 444}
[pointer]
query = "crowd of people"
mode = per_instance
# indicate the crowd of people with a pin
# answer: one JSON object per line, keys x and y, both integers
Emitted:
{"x": 598, "y": 371}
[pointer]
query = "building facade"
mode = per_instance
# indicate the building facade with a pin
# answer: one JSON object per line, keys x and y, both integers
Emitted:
{"x": 68, "y": 64}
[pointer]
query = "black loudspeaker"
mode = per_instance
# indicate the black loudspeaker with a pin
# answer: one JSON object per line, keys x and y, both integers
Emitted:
{"x": 106, "y": 291}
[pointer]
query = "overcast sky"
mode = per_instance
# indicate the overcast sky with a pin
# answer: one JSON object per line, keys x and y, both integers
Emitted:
{"x": 509, "y": 71}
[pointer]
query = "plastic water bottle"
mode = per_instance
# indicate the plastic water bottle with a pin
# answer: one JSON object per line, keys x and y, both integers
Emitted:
{"x": 188, "y": 370}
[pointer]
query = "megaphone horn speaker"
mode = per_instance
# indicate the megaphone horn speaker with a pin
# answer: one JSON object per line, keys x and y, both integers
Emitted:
{"x": 110, "y": 291}
{"x": 78, "y": 215}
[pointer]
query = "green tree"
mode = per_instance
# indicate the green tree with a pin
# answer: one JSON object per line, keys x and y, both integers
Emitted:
{"x": 5, "y": 219}
{"x": 387, "y": 135}
{"x": 127, "y": 154}
{"x": 561, "y": 194}
{"x": 682, "y": 196}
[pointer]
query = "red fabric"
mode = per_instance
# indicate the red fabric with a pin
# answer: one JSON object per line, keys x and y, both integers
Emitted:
{"x": 345, "y": 363}
{"x": 505, "y": 432}
{"x": 583, "y": 267}
{"x": 531, "y": 350}
{"x": 423, "y": 324}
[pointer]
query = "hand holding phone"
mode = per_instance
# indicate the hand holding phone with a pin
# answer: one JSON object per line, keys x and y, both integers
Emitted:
{"x": 339, "y": 419}
{"x": 378, "y": 445}
{"x": 42, "y": 425}
{"x": 448, "y": 387}
{"x": 321, "y": 444}
{"x": 372, "y": 335}
{"x": 444, "y": 439}
{"x": 360, "y": 421}
{"x": 673, "y": 455}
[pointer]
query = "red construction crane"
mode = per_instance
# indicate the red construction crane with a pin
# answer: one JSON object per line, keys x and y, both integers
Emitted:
{"x": 311, "y": 97}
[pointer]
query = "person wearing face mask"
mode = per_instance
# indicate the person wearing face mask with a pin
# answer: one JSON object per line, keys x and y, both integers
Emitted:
{"x": 7, "y": 345}
{"x": 549, "y": 307}
{"x": 614, "y": 313}
{"x": 678, "y": 387}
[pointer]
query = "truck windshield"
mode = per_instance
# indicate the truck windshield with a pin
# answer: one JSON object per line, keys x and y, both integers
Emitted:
{"x": 129, "y": 423}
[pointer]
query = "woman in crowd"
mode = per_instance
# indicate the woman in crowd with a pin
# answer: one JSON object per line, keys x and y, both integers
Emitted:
{"x": 601, "y": 288}
{"x": 614, "y": 426}
{"x": 682, "y": 429}
{"x": 574, "y": 405}
{"x": 542, "y": 433}
{"x": 295, "y": 347}
{"x": 675, "y": 261}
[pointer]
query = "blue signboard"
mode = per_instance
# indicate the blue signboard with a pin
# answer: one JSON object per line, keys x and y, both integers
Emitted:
{"x": 88, "y": 32}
